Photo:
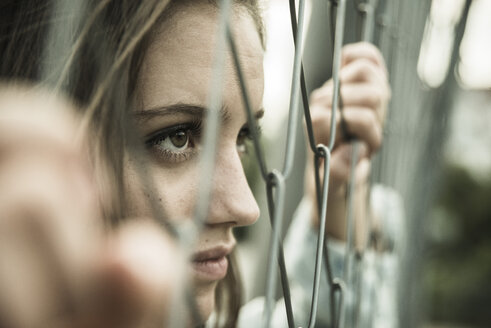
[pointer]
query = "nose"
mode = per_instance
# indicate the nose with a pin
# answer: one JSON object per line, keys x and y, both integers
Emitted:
{"x": 232, "y": 200}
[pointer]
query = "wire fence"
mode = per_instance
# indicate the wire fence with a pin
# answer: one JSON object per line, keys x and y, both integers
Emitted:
{"x": 275, "y": 179}
{"x": 397, "y": 28}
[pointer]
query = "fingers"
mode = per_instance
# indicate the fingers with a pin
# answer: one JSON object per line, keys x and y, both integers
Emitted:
{"x": 359, "y": 122}
{"x": 363, "y": 85}
{"x": 321, "y": 122}
{"x": 359, "y": 95}
{"x": 364, "y": 94}
{"x": 340, "y": 166}
{"x": 361, "y": 71}
{"x": 362, "y": 50}
{"x": 365, "y": 125}
{"x": 361, "y": 76}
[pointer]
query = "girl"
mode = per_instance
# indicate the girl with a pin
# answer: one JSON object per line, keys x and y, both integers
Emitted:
{"x": 140, "y": 73}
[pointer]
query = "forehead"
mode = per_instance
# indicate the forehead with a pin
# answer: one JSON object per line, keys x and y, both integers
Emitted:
{"x": 179, "y": 60}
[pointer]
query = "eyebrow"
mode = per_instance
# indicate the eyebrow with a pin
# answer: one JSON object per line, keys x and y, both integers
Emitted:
{"x": 187, "y": 109}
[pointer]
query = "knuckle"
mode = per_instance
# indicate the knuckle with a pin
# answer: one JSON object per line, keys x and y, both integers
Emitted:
{"x": 366, "y": 120}
{"x": 373, "y": 121}
{"x": 373, "y": 51}
{"x": 321, "y": 96}
{"x": 319, "y": 115}
{"x": 376, "y": 132}
{"x": 378, "y": 139}
{"x": 366, "y": 69}
{"x": 375, "y": 97}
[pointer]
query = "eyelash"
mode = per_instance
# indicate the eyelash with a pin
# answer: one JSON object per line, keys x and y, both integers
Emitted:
{"x": 193, "y": 132}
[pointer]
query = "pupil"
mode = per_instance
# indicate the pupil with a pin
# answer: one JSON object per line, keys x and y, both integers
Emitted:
{"x": 179, "y": 139}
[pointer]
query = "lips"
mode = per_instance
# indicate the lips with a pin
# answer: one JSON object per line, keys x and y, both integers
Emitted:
{"x": 211, "y": 264}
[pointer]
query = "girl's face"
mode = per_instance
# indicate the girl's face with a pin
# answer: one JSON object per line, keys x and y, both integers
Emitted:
{"x": 173, "y": 89}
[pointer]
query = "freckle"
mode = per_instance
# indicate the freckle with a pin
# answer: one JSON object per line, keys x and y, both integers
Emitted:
{"x": 160, "y": 199}
{"x": 206, "y": 240}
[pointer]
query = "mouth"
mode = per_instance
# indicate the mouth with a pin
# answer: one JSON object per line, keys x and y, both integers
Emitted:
{"x": 211, "y": 264}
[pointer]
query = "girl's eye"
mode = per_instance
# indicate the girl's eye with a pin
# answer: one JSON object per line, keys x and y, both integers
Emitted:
{"x": 179, "y": 140}
{"x": 244, "y": 135}
{"x": 174, "y": 144}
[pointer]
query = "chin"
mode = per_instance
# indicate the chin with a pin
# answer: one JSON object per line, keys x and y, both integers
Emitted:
{"x": 205, "y": 300}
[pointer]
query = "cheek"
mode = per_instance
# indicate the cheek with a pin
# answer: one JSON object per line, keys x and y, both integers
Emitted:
{"x": 172, "y": 189}
{"x": 135, "y": 199}
{"x": 176, "y": 189}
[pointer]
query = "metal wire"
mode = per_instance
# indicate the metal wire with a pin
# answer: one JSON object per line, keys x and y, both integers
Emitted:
{"x": 208, "y": 155}
{"x": 293, "y": 112}
{"x": 321, "y": 196}
{"x": 212, "y": 118}
{"x": 368, "y": 8}
{"x": 303, "y": 87}
{"x": 350, "y": 226}
{"x": 339, "y": 287}
{"x": 248, "y": 109}
{"x": 326, "y": 156}
{"x": 263, "y": 167}
{"x": 275, "y": 181}
{"x": 60, "y": 38}
{"x": 284, "y": 278}
{"x": 336, "y": 65}
{"x": 369, "y": 23}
